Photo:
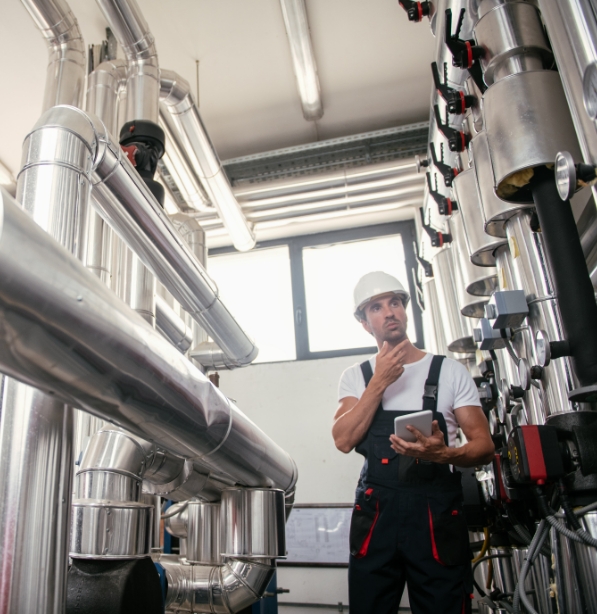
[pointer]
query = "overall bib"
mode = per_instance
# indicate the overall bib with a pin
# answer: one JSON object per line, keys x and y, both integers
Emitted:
{"x": 407, "y": 524}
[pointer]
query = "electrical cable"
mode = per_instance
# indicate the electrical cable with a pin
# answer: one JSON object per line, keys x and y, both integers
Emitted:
{"x": 580, "y": 536}
{"x": 486, "y": 558}
{"x": 484, "y": 547}
{"x": 534, "y": 550}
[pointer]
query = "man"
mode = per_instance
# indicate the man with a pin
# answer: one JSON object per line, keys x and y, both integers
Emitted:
{"x": 407, "y": 524}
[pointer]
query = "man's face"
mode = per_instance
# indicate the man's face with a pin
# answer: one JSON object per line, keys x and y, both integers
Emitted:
{"x": 385, "y": 319}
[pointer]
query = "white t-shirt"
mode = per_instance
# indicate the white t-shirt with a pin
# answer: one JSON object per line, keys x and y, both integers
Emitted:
{"x": 456, "y": 389}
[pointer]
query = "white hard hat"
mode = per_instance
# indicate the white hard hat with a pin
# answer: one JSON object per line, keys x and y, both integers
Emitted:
{"x": 372, "y": 285}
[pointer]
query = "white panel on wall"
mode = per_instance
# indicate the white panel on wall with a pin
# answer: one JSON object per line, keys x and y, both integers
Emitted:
{"x": 294, "y": 403}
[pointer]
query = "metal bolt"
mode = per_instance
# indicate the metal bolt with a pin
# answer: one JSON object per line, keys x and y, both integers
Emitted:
{"x": 79, "y": 298}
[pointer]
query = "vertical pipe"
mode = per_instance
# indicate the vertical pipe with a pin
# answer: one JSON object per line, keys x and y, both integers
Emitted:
{"x": 36, "y": 432}
{"x": 35, "y": 498}
{"x": 533, "y": 277}
{"x": 573, "y": 287}
{"x": 66, "y": 66}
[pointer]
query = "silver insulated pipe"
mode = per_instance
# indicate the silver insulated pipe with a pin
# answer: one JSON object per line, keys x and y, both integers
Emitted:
{"x": 129, "y": 207}
{"x": 177, "y": 101}
{"x": 66, "y": 64}
{"x": 64, "y": 332}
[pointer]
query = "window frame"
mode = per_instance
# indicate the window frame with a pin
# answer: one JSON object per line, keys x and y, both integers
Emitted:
{"x": 407, "y": 231}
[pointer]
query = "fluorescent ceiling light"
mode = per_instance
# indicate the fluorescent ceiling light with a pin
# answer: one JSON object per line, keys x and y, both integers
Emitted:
{"x": 303, "y": 59}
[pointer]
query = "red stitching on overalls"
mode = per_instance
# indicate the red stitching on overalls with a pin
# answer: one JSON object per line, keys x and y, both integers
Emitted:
{"x": 433, "y": 545}
{"x": 363, "y": 551}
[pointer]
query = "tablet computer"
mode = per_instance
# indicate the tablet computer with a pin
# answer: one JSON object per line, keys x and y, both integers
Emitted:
{"x": 421, "y": 420}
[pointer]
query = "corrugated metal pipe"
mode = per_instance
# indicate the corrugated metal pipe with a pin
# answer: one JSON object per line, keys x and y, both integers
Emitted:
{"x": 66, "y": 66}
{"x": 192, "y": 138}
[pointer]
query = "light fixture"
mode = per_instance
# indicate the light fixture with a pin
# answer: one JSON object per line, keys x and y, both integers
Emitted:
{"x": 303, "y": 58}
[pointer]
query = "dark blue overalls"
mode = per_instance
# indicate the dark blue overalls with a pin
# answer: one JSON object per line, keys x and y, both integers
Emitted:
{"x": 407, "y": 524}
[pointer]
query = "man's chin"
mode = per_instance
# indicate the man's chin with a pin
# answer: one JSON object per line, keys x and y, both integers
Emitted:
{"x": 394, "y": 336}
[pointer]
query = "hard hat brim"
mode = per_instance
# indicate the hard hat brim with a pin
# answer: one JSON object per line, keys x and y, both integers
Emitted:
{"x": 359, "y": 313}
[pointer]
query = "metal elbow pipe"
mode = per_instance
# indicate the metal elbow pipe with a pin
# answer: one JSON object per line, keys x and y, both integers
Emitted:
{"x": 220, "y": 589}
{"x": 177, "y": 101}
{"x": 143, "y": 74}
{"x": 66, "y": 67}
{"x": 212, "y": 358}
{"x": 129, "y": 207}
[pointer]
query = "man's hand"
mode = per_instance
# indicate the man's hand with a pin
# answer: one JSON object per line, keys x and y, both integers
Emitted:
{"x": 389, "y": 363}
{"x": 432, "y": 448}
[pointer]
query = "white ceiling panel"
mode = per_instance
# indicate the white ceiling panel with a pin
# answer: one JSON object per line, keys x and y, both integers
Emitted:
{"x": 373, "y": 68}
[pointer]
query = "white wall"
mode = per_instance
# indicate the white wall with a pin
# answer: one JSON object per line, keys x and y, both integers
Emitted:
{"x": 294, "y": 403}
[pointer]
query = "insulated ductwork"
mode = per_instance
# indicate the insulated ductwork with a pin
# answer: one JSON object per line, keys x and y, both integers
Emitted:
{"x": 177, "y": 100}
{"x": 130, "y": 208}
{"x": 211, "y": 357}
{"x": 251, "y": 523}
{"x": 66, "y": 66}
{"x": 143, "y": 71}
{"x": 106, "y": 85}
{"x": 143, "y": 93}
{"x": 64, "y": 332}
{"x": 172, "y": 326}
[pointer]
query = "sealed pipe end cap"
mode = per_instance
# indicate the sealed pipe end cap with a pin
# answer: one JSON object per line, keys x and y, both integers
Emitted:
{"x": 565, "y": 171}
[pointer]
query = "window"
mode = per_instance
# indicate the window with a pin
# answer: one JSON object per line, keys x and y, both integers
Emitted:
{"x": 331, "y": 272}
{"x": 256, "y": 288}
{"x": 294, "y": 296}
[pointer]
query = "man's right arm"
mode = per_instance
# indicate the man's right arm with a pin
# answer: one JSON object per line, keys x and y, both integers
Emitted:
{"x": 354, "y": 416}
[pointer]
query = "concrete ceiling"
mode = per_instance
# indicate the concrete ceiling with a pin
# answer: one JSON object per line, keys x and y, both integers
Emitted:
{"x": 373, "y": 68}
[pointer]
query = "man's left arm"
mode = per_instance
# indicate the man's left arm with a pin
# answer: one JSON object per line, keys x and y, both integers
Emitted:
{"x": 478, "y": 450}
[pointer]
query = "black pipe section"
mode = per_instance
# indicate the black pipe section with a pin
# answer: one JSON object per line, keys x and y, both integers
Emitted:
{"x": 570, "y": 276}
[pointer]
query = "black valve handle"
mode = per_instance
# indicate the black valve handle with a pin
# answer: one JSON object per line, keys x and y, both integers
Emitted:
{"x": 445, "y": 205}
{"x": 415, "y": 10}
{"x": 458, "y": 102}
{"x": 457, "y": 139}
{"x": 427, "y": 266}
{"x": 447, "y": 171}
{"x": 465, "y": 54}
{"x": 438, "y": 239}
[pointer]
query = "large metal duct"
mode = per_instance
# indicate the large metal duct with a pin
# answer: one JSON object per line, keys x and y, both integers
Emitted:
{"x": 572, "y": 30}
{"x": 177, "y": 101}
{"x": 132, "y": 210}
{"x": 66, "y": 333}
{"x": 66, "y": 66}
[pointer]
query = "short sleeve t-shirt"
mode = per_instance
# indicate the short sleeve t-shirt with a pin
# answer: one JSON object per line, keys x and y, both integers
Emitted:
{"x": 456, "y": 389}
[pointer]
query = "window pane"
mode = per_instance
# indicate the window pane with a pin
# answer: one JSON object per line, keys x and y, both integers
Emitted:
{"x": 256, "y": 288}
{"x": 331, "y": 273}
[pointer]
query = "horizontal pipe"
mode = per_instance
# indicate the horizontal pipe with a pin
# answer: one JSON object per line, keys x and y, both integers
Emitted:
{"x": 303, "y": 57}
{"x": 63, "y": 331}
{"x": 172, "y": 326}
{"x": 177, "y": 101}
{"x": 66, "y": 66}
{"x": 211, "y": 357}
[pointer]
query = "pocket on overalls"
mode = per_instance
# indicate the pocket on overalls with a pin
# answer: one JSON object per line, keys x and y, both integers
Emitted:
{"x": 362, "y": 524}
{"x": 448, "y": 529}
{"x": 383, "y": 463}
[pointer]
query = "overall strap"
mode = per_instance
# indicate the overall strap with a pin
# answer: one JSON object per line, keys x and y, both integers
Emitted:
{"x": 431, "y": 385}
{"x": 367, "y": 372}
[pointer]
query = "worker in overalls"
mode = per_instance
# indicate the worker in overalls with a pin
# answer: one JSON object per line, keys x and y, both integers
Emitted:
{"x": 407, "y": 524}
